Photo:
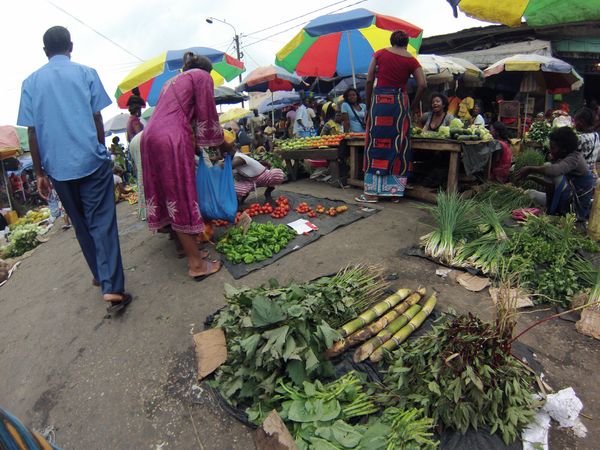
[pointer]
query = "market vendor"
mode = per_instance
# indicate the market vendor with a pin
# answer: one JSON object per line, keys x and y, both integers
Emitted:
{"x": 250, "y": 174}
{"x": 334, "y": 125}
{"x": 502, "y": 160}
{"x": 438, "y": 116}
{"x": 589, "y": 140}
{"x": 569, "y": 182}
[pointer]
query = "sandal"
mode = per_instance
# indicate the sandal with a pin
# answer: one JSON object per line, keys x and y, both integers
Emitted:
{"x": 95, "y": 282}
{"x": 117, "y": 306}
{"x": 206, "y": 275}
{"x": 362, "y": 198}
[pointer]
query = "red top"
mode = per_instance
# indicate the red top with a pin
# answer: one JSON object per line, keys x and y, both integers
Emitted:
{"x": 501, "y": 168}
{"x": 394, "y": 70}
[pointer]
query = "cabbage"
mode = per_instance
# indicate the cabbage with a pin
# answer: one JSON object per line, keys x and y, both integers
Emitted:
{"x": 457, "y": 123}
{"x": 444, "y": 132}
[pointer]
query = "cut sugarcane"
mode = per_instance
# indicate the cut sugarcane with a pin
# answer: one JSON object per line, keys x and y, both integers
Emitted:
{"x": 374, "y": 312}
{"x": 386, "y": 334}
{"x": 375, "y": 327}
{"x": 406, "y": 331}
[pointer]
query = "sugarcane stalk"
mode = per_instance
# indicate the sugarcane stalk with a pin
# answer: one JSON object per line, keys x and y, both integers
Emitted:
{"x": 374, "y": 312}
{"x": 375, "y": 327}
{"x": 403, "y": 334}
{"x": 386, "y": 334}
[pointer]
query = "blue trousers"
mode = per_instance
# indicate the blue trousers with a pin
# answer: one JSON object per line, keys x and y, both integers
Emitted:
{"x": 90, "y": 204}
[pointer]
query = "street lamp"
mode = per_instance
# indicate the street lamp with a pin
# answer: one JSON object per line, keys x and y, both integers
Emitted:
{"x": 210, "y": 20}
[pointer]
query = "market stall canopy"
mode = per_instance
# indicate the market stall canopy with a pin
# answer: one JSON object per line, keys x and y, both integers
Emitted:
{"x": 440, "y": 69}
{"x": 9, "y": 139}
{"x": 234, "y": 114}
{"x": 552, "y": 75}
{"x": 151, "y": 75}
{"x": 269, "y": 78}
{"x": 342, "y": 44}
{"x": 486, "y": 57}
{"x": 116, "y": 124}
{"x": 537, "y": 13}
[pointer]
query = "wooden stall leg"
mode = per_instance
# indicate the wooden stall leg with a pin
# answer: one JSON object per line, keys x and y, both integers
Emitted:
{"x": 452, "y": 185}
{"x": 334, "y": 170}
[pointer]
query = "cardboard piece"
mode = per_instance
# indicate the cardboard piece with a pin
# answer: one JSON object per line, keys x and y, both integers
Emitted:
{"x": 522, "y": 299}
{"x": 302, "y": 226}
{"x": 473, "y": 282}
{"x": 589, "y": 324}
{"x": 211, "y": 351}
{"x": 273, "y": 434}
{"x": 244, "y": 222}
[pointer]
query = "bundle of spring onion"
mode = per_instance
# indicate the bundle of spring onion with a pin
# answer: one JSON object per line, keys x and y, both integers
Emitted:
{"x": 454, "y": 220}
{"x": 589, "y": 275}
{"x": 397, "y": 316}
{"x": 504, "y": 197}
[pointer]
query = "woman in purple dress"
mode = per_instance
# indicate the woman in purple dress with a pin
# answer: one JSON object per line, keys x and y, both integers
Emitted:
{"x": 185, "y": 119}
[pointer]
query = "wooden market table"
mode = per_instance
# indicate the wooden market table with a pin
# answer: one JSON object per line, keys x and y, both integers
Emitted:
{"x": 293, "y": 158}
{"x": 357, "y": 150}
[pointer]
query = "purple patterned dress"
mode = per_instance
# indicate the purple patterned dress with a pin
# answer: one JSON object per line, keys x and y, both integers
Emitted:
{"x": 185, "y": 116}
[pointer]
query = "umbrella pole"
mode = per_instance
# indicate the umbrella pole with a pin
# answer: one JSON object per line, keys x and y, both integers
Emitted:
{"x": 272, "y": 111}
{"x": 351, "y": 60}
{"x": 6, "y": 184}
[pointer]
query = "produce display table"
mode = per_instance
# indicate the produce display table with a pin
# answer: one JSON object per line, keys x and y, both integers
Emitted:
{"x": 357, "y": 150}
{"x": 293, "y": 159}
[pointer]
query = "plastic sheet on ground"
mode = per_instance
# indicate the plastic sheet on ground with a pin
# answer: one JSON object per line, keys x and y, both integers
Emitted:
{"x": 325, "y": 223}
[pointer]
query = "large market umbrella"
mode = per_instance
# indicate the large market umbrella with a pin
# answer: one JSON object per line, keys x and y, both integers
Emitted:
{"x": 473, "y": 75}
{"x": 269, "y": 78}
{"x": 440, "y": 69}
{"x": 151, "y": 75}
{"x": 223, "y": 96}
{"x": 537, "y": 13}
{"x": 116, "y": 124}
{"x": 278, "y": 100}
{"x": 342, "y": 44}
{"x": 234, "y": 114}
{"x": 536, "y": 73}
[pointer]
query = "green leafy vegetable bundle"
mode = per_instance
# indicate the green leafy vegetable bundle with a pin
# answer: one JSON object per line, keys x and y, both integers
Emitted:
{"x": 539, "y": 132}
{"x": 542, "y": 251}
{"x": 21, "y": 239}
{"x": 259, "y": 242}
{"x": 275, "y": 332}
{"x": 529, "y": 157}
{"x": 463, "y": 376}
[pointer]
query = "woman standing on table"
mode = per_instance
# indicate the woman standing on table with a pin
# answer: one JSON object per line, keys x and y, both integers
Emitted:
{"x": 387, "y": 146}
{"x": 185, "y": 119}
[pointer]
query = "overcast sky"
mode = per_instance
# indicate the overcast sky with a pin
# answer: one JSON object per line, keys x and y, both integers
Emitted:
{"x": 146, "y": 28}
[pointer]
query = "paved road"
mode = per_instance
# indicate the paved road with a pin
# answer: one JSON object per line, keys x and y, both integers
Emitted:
{"x": 128, "y": 383}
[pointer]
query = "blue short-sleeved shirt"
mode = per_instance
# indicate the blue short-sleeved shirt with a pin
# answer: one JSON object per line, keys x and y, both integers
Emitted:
{"x": 355, "y": 125}
{"x": 59, "y": 100}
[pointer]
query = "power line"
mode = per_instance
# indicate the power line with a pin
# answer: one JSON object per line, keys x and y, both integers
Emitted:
{"x": 300, "y": 24}
{"x": 95, "y": 31}
{"x": 295, "y": 18}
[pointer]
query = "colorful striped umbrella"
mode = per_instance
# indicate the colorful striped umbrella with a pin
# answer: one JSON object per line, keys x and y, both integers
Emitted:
{"x": 538, "y": 13}
{"x": 342, "y": 44}
{"x": 151, "y": 75}
{"x": 269, "y": 78}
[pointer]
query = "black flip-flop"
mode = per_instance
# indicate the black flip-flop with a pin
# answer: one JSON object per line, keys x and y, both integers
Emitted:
{"x": 202, "y": 277}
{"x": 119, "y": 306}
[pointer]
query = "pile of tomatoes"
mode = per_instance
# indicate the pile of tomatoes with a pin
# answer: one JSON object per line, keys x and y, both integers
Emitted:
{"x": 220, "y": 223}
{"x": 282, "y": 209}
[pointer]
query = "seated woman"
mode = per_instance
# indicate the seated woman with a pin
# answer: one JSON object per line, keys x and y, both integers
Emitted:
{"x": 569, "y": 182}
{"x": 438, "y": 116}
{"x": 333, "y": 125}
{"x": 501, "y": 160}
{"x": 589, "y": 140}
{"x": 251, "y": 174}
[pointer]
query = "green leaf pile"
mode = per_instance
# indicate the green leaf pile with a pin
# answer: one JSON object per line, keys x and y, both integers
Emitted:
{"x": 21, "y": 239}
{"x": 463, "y": 376}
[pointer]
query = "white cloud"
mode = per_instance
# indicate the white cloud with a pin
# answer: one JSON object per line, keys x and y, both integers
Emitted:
{"x": 148, "y": 27}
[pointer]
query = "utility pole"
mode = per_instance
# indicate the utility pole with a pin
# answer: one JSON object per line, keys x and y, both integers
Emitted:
{"x": 236, "y": 40}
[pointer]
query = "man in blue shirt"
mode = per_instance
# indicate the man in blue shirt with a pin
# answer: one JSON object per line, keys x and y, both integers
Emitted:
{"x": 60, "y": 105}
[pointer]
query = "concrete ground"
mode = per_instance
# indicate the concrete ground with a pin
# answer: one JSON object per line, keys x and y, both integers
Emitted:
{"x": 128, "y": 383}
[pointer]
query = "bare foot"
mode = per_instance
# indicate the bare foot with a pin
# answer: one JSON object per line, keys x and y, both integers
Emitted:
{"x": 181, "y": 253}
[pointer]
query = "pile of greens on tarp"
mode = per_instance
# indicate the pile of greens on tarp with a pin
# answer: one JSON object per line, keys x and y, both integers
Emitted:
{"x": 474, "y": 234}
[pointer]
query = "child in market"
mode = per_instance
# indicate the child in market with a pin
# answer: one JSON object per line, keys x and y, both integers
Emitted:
{"x": 568, "y": 180}
{"x": 250, "y": 174}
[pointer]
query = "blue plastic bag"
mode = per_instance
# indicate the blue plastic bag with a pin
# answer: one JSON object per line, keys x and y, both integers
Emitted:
{"x": 216, "y": 191}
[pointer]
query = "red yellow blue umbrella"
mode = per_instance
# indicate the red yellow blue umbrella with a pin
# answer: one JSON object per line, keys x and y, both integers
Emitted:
{"x": 537, "y": 13}
{"x": 151, "y": 75}
{"x": 342, "y": 44}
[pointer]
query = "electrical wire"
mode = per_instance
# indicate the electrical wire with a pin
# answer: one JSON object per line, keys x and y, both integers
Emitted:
{"x": 95, "y": 31}
{"x": 296, "y": 18}
{"x": 300, "y": 24}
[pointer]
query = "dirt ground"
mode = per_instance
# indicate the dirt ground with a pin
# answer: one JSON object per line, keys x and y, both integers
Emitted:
{"x": 128, "y": 383}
